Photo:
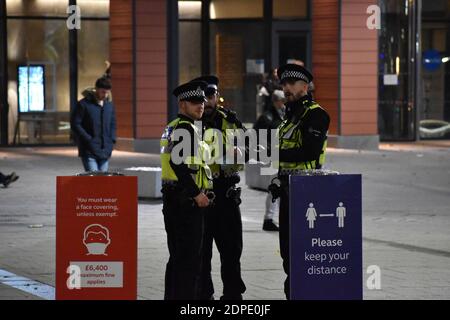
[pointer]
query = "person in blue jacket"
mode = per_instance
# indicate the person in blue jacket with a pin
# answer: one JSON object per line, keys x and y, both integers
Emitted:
{"x": 94, "y": 126}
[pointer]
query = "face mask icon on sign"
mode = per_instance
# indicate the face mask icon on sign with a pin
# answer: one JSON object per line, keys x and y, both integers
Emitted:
{"x": 96, "y": 239}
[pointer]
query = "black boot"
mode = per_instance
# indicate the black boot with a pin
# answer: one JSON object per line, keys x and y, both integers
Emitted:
{"x": 10, "y": 179}
{"x": 269, "y": 225}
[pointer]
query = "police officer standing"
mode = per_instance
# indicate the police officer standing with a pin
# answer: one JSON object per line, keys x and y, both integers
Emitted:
{"x": 303, "y": 140}
{"x": 186, "y": 184}
{"x": 223, "y": 222}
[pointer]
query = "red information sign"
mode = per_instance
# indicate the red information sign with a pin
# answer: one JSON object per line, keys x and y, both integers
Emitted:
{"x": 96, "y": 237}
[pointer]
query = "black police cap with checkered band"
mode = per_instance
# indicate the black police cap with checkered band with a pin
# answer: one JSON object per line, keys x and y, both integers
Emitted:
{"x": 295, "y": 72}
{"x": 193, "y": 91}
{"x": 212, "y": 82}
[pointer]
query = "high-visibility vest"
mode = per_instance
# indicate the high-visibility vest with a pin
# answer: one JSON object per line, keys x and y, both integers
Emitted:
{"x": 210, "y": 138}
{"x": 290, "y": 137}
{"x": 195, "y": 162}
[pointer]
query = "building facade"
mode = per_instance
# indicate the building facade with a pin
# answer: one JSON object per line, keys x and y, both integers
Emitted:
{"x": 390, "y": 83}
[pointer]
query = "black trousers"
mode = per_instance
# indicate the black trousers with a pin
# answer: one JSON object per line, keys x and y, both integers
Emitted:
{"x": 223, "y": 224}
{"x": 184, "y": 225}
{"x": 284, "y": 232}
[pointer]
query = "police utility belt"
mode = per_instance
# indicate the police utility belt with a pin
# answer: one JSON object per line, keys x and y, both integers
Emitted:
{"x": 171, "y": 185}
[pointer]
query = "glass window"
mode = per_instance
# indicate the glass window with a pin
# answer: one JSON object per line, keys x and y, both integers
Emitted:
{"x": 45, "y": 8}
{"x": 30, "y": 86}
{"x": 94, "y": 8}
{"x": 189, "y": 9}
{"x": 237, "y": 58}
{"x": 93, "y": 51}
{"x": 290, "y": 9}
{"x": 190, "y": 50}
{"x": 292, "y": 46}
{"x": 436, "y": 9}
{"x": 40, "y": 42}
{"x": 435, "y": 107}
{"x": 396, "y": 117}
{"x": 229, "y": 9}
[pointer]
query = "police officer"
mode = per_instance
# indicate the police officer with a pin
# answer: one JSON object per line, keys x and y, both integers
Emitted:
{"x": 303, "y": 140}
{"x": 186, "y": 185}
{"x": 223, "y": 222}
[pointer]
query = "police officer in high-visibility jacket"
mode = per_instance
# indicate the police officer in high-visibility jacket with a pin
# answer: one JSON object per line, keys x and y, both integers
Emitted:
{"x": 223, "y": 222}
{"x": 302, "y": 143}
{"x": 187, "y": 182}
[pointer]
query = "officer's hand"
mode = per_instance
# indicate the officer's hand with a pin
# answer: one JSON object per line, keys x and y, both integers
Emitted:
{"x": 201, "y": 200}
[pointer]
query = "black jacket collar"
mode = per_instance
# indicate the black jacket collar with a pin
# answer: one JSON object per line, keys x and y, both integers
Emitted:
{"x": 183, "y": 117}
{"x": 296, "y": 108}
{"x": 275, "y": 113}
{"x": 214, "y": 120}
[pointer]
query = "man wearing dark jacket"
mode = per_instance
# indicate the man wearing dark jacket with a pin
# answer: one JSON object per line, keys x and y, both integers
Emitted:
{"x": 94, "y": 125}
{"x": 273, "y": 117}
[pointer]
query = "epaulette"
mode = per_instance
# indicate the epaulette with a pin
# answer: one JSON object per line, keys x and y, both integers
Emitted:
{"x": 308, "y": 102}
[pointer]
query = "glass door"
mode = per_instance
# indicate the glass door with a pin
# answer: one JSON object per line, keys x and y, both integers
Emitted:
{"x": 292, "y": 47}
{"x": 397, "y": 70}
{"x": 291, "y": 42}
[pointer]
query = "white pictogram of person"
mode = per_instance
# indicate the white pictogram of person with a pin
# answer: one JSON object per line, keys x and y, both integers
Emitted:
{"x": 96, "y": 239}
{"x": 311, "y": 215}
{"x": 340, "y": 214}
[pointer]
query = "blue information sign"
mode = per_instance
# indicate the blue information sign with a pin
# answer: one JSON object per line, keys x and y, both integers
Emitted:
{"x": 431, "y": 60}
{"x": 326, "y": 237}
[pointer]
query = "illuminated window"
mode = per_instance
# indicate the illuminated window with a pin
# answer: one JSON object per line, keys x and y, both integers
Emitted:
{"x": 190, "y": 50}
{"x": 37, "y": 7}
{"x": 229, "y": 9}
{"x": 189, "y": 9}
{"x": 30, "y": 84}
{"x": 92, "y": 54}
{"x": 290, "y": 9}
{"x": 94, "y": 8}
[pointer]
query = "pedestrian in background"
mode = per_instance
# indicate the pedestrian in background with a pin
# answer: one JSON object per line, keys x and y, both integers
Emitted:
{"x": 94, "y": 126}
{"x": 270, "y": 120}
{"x": 269, "y": 85}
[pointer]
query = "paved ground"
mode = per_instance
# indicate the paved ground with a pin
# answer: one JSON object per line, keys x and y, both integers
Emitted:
{"x": 406, "y": 222}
